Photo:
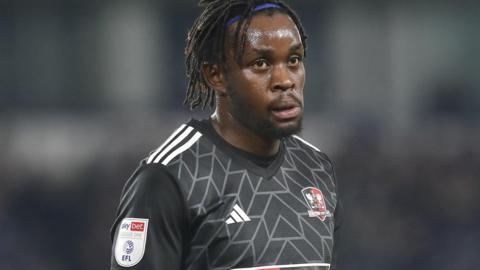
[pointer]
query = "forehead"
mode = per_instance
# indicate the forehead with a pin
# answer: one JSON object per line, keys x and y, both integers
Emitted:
{"x": 266, "y": 27}
{"x": 272, "y": 22}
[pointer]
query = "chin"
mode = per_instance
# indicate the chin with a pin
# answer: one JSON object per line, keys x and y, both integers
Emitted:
{"x": 282, "y": 130}
{"x": 290, "y": 129}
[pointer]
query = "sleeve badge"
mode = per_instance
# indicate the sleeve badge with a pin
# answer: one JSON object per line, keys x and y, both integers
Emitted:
{"x": 130, "y": 242}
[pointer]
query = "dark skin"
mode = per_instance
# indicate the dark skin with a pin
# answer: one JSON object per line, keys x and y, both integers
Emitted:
{"x": 260, "y": 99}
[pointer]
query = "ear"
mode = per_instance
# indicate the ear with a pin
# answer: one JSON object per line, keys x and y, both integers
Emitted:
{"x": 214, "y": 77}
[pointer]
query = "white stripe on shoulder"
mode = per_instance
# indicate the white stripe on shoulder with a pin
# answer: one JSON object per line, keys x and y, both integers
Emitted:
{"x": 177, "y": 141}
{"x": 307, "y": 143}
{"x": 152, "y": 156}
{"x": 182, "y": 148}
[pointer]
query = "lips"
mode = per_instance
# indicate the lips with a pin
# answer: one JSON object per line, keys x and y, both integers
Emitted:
{"x": 286, "y": 110}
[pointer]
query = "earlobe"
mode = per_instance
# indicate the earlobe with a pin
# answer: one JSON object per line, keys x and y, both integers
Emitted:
{"x": 214, "y": 77}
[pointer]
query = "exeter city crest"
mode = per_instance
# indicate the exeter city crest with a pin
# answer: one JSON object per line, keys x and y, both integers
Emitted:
{"x": 316, "y": 203}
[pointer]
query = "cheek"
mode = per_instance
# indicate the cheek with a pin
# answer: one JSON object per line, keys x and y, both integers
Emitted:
{"x": 254, "y": 87}
{"x": 254, "y": 81}
{"x": 300, "y": 81}
{"x": 248, "y": 89}
{"x": 300, "y": 77}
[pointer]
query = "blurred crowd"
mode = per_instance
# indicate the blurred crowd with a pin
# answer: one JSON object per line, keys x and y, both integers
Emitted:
{"x": 417, "y": 208}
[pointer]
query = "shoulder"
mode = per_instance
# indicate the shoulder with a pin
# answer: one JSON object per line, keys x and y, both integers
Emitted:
{"x": 182, "y": 139}
{"x": 298, "y": 142}
{"x": 150, "y": 192}
{"x": 304, "y": 143}
{"x": 149, "y": 180}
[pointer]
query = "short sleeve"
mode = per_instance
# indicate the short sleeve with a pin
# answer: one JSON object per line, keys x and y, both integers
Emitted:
{"x": 339, "y": 227}
{"x": 337, "y": 235}
{"x": 151, "y": 227}
{"x": 338, "y": 216}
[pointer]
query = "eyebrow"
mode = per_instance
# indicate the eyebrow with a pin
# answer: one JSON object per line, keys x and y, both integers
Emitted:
{"x": 296, "y": 47}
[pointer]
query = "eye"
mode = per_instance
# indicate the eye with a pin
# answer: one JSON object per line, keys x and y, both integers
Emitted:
{"x": 260, "y": 64}
{"x": 294, "y": 60}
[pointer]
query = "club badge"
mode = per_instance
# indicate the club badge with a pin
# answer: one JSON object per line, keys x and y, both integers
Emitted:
{"x": 130, "y": 242}
{"x": 316, "y": 203}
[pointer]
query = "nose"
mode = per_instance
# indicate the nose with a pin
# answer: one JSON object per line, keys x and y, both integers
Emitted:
{"x": 281, "y": 78}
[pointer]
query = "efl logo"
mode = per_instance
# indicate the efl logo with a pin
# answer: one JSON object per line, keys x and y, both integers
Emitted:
{"x": 130, "y": 242}
{"x": 137, "y": 226}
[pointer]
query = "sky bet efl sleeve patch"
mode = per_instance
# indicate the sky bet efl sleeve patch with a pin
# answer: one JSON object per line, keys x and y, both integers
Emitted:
{"x": 131, "y": 240}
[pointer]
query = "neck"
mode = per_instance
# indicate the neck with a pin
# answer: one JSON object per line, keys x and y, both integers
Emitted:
{"x": 240, "y": 136}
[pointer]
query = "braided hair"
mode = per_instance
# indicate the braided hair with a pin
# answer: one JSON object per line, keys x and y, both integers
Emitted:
{"x": 206, "y": 39}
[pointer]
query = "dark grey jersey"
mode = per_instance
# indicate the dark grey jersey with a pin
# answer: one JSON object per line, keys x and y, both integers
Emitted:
{"x": 199, "y": 203}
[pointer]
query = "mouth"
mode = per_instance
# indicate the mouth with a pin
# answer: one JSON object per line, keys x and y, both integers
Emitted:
{"x": 286, "y": 111}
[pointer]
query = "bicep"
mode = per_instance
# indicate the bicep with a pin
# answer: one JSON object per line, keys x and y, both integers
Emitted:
{"x": 153, "y": 199}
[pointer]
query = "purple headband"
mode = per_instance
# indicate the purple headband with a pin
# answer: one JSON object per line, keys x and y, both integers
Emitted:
{"x": 257, "y": 8}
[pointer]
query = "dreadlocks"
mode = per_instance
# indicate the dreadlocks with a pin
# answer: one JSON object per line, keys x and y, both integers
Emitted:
{"x": 206, "y": 39}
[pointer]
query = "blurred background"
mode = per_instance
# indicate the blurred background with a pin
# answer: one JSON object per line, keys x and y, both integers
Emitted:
{"x": 88, "y": 88}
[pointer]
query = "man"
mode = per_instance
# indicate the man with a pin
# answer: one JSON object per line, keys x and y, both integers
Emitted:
{"x": 238, "y": 190}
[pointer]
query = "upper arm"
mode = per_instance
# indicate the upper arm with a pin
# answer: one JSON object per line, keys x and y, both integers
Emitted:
{"x": 152, "y": 196}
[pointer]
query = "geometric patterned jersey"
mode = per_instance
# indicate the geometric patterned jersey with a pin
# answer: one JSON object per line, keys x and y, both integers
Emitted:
{"x": 241, "y": 215}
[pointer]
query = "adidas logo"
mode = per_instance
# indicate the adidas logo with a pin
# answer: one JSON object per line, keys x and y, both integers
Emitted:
{"x": 237, "y": 215}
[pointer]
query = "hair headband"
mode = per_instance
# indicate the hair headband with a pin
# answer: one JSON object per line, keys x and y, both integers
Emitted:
{"x": 257, "y": 8}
